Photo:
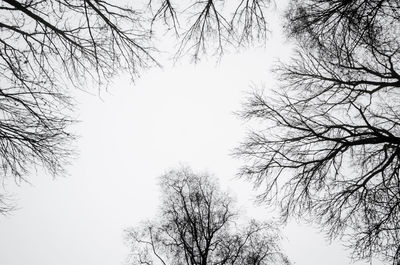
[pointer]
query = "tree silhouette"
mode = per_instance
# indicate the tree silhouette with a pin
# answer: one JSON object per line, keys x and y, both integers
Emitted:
{"x": 212, "y": 26}
{"x": 330, "y": 151}
{"x": 49, "y": 47}
{"x": 197, "y": 226}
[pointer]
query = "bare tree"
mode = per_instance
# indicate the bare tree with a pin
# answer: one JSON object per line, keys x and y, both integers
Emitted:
{"x": 212, "y": 25}
{"x": 48, "y": 47}
{"x": 330, "y": 148}
{"x": 197, "y": 226}
{"x": 342, "y": 21}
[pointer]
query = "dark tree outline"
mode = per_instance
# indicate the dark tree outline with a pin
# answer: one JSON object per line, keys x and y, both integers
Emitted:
{"x": 197, "y": 227}
{"x": 329, "y": 147}
{"x": 212, "y": 28}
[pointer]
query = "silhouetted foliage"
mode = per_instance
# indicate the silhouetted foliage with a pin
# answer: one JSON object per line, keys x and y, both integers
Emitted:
{"x": 330, "y": 151}
{"x": 197, "y": 226}
{"x": 48, "y": 47}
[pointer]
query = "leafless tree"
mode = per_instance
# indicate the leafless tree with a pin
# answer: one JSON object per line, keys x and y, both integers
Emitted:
{"x": 197, "y": 226}
{"x": 343, "y": 21}
{"x": 330, "y": 148}
{"x": 48, "y": 47}
{"x": 212, "y": 25}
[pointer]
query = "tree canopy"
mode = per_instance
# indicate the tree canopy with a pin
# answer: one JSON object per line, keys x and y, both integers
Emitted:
{"x": 329, "y": 150}
{"x": 197, "y": 225}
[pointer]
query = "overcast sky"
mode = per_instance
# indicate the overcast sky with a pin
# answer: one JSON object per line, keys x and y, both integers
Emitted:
{"x": 128, "y": 137}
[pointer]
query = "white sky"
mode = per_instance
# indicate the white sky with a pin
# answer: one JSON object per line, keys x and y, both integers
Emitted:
{"x": 180, "y": 114}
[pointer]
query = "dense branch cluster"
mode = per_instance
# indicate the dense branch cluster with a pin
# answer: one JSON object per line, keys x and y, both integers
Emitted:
{"x": 197, "y": 226}
{"x": 347, "y": 22}
{"x": 331, "y": 149}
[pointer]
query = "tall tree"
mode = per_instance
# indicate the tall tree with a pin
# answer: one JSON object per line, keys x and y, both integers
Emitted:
{"x": 197, "y": 226}
{"x": 48, "y": 47}
{"x": 330, "y": 151}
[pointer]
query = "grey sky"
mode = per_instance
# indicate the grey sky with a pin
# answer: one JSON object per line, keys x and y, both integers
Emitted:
{"x": 129, "y": 137}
